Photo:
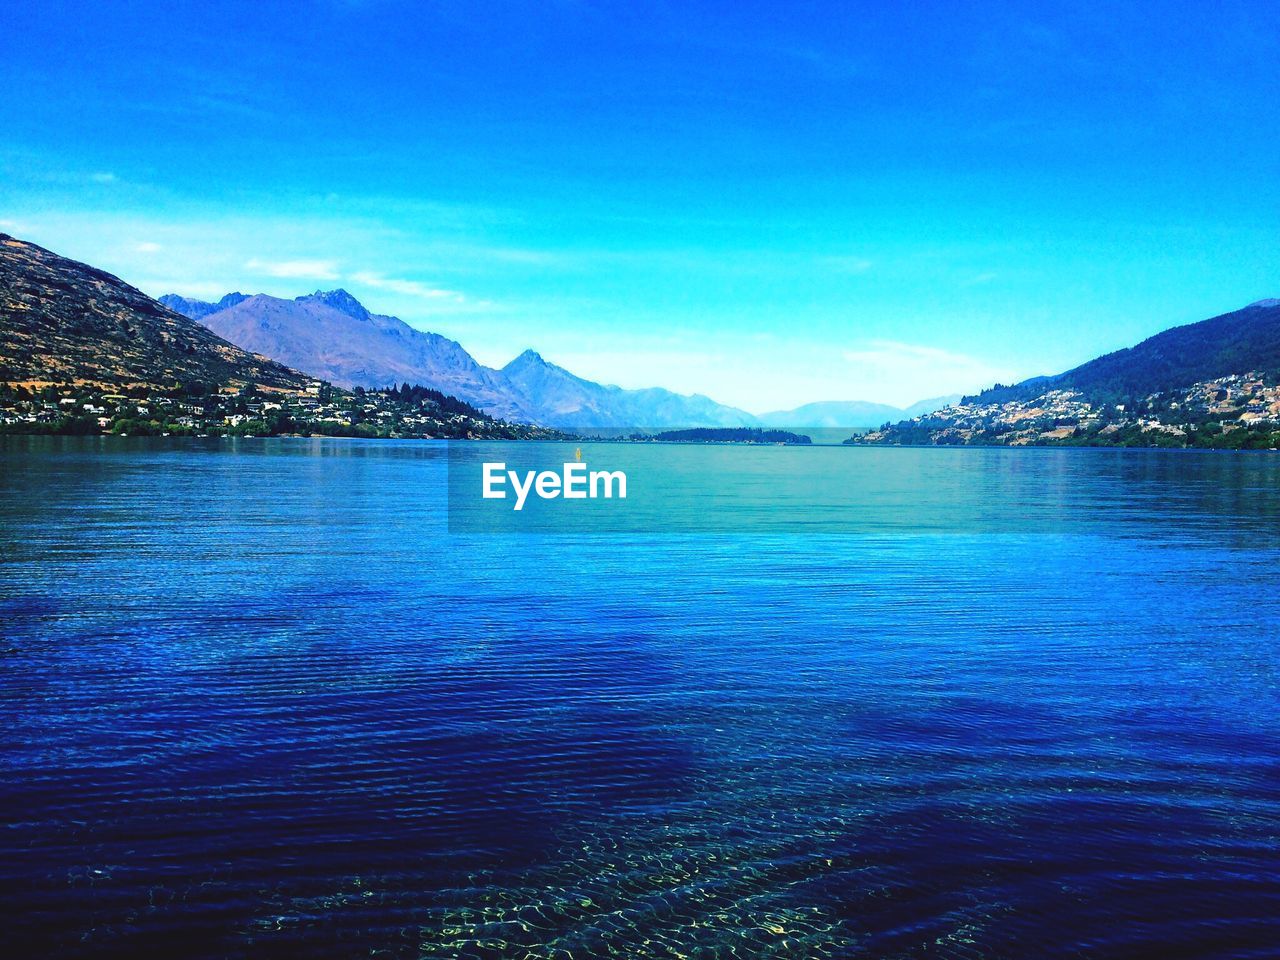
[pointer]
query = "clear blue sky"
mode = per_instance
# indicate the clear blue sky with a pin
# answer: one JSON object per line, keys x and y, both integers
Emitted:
{"x": 771, "y": 203}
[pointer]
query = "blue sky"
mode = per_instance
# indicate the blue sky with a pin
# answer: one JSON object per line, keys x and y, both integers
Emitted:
{"x": 768, "y": 203}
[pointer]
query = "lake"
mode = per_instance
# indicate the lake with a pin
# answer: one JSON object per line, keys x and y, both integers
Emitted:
{"x": 259, "y": 700}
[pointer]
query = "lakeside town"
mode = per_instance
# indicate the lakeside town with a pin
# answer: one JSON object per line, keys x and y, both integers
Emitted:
{"x": 1241, "y": 411}
{"x": 196, "y": 409}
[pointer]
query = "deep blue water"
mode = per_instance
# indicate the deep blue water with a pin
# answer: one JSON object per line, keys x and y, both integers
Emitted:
{"x": 258, "y": 701}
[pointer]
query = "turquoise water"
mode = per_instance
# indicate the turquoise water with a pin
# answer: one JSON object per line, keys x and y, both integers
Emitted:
{"x": 259, "y": 701}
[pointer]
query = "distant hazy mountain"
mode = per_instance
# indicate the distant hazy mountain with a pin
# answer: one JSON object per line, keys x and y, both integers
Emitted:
{"x": 198, "y": 309}
{"x": 922, "y": 407}
{"x": 66, "y": 322}
{"x": 833, "y": 413}
{"x": 558, "y": 398}
{"x": 333, "y": 336}
{"x": 850, "y": 414}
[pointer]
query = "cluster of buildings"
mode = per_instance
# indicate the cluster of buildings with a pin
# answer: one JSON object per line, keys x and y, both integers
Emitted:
{"x": 1053, "y": 415}
{"x": 1239, "y": 400}
{"x": 317, "y": 409}
{"x": 1243, "y": 401}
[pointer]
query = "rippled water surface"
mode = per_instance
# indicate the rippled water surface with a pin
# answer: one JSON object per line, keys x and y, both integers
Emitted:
{"x": 258, "y": 701}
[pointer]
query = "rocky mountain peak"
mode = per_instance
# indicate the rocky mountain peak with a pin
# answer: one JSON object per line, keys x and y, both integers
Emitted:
{"x": 339, "y": 299}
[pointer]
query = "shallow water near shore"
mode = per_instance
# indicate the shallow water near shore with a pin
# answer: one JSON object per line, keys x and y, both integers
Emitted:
{"x": 259, "y": 701}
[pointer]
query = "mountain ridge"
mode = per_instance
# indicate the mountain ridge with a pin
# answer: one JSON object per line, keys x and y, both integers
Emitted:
{"x": 1232, "y": 342}
{"x": 68, "y": 322}
{"x": 333, "y": 336}
{"x": 195, "y": 309}
{"x": 850, "y": 414}
{"x": 1214, "y": 382}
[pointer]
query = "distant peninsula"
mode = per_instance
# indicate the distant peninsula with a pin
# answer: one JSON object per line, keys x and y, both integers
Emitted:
{"x": 726, "y": 435}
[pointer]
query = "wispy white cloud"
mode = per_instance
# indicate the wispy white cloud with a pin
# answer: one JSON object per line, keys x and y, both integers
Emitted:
{"x": 296, "y": 269}
{"x": 847, "y": 264}
{"x": 103, "y": 177}
{"x": 884, "y": 362}
{"x": 513, "y": 296}
{"x": 408, "y": 288}
{"x": 207, "y": 256}
{"x": 897, "y": 352}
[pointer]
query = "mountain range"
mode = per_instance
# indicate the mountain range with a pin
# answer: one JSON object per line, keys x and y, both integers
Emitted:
{"x": 333, "y": 336}
{"x": 851, "y": 414}
{"x": 68, "y": 325}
